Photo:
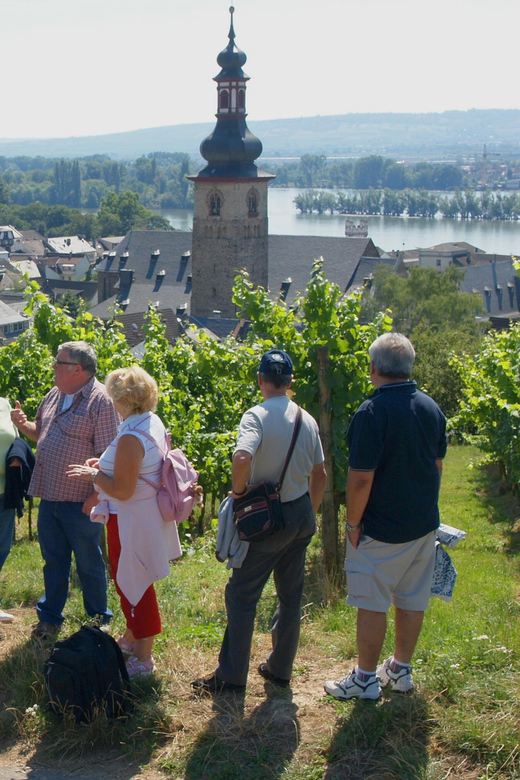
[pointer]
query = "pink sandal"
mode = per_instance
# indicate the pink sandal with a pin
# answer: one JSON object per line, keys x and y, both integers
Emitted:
{"x": 137, "y": 668}
{"x": 126, "y": 647}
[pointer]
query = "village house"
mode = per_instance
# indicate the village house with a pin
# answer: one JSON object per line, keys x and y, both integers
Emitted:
{"x": 12, "y": 323}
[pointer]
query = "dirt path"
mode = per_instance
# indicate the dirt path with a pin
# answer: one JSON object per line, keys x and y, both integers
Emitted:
{"x": 300, "y": 715}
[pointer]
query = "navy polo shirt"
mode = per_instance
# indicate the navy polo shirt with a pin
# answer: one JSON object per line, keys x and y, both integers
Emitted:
{"x": 399, "y": 433}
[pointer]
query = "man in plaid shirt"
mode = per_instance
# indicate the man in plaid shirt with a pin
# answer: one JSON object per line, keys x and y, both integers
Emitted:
{"x": 75, "y": 421}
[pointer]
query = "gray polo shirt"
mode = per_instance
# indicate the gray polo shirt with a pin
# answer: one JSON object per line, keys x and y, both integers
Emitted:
{"x": 265, "y": 433}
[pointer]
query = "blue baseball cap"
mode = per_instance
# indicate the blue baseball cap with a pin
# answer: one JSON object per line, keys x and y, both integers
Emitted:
{"x": 275, "y": 361}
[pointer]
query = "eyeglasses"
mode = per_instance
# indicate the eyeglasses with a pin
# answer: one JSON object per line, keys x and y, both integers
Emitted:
{"x": 64, "y": 363}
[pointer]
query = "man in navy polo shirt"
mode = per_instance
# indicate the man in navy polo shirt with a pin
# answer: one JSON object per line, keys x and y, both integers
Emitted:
{"x": 397, "y": 441}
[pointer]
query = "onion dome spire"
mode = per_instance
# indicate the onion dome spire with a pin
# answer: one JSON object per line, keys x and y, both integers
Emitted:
{"x": 231, "y": 148}
{"x": 231, "y": 59}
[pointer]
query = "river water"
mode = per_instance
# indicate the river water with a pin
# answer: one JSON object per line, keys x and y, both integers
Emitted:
{"x": 389, "y": 233}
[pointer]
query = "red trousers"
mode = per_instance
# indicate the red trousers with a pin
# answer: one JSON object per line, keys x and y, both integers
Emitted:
{"x": 143, "y": 619}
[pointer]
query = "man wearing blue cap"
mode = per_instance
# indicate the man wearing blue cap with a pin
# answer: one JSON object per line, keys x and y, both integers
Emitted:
{"x": 263, "y": 441}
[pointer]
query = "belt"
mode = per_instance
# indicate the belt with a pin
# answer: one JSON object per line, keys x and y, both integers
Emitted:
{"x": 295, "y": 500}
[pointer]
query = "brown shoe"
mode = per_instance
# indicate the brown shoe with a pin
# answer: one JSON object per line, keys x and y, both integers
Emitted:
{"x": 264, "y": 671}
{"x": 214, "y": 685}
{"x": 45, "y": 631}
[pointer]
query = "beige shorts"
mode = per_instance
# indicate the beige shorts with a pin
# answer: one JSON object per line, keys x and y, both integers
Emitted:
{"x": 380, "y": 574}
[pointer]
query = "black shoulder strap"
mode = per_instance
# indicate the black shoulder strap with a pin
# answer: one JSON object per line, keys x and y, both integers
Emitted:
{"x": 296, "y": 431}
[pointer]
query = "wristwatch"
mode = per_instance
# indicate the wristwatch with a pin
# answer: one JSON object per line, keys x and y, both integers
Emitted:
{"x": 352, "y": 527}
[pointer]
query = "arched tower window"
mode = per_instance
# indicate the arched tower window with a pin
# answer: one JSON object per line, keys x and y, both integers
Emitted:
{"x": 224, "y": 99}
{"x": 252, "y": 203}
{"x": 241, "y": 99}
{"x": 215, "y": 201}
{"x": 215, "y": 205}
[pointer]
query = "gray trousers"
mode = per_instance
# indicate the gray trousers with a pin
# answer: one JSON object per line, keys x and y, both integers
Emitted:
{"x": 284, "y": 555}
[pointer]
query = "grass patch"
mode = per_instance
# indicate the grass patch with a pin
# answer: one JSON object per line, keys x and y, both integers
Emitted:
{"x": 463, "y": 721}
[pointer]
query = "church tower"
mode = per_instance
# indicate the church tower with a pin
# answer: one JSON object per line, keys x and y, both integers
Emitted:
{"x": 230, "y": 227}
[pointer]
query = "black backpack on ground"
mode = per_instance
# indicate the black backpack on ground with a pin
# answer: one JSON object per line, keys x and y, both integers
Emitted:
{"x": 86, "y": 674}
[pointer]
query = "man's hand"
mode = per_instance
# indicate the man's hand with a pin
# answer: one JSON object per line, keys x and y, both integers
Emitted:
{"x": 18, "y": 416}
{"x": 90, "y": 503}
{"x": 353, "y": 536}
{"x": 359, "y": 485}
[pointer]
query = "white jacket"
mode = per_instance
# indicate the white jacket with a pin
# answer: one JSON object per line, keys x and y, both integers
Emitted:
{"x": 148, "y": 544}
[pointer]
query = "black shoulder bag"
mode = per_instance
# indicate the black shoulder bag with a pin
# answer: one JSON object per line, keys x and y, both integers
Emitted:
{"x": 258, "y": 513}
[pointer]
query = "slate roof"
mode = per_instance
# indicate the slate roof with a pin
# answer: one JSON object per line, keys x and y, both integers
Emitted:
{"x": 485, "y": 257}
{"x": 454, "y": 246}
{"x": 9, "y": 316}
{"x": 290, "y": 257}
{"x": 109, "y": 242}
{"x": 167, "y": 292}
{"x": 498, "y": 285}
{"x": 31, "y": 235}
{"x": 55, "y": 287}
{"x": 221, "y": 327}
{"x": 365, "y": 269}
{"x": 133, "y": 326}
{"x": 16, "y": 300}
{"x": 25, "y": 266}
{"x": 28, "y": 246}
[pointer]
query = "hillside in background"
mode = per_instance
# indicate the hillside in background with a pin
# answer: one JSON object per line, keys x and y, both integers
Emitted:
{"x": 452, "y": 133}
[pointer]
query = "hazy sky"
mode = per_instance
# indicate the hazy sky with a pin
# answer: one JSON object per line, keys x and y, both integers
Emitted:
{"x": 87, "y": 67}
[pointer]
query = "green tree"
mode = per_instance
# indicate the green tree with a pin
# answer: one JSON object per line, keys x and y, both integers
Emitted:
{"x": 5, "y": 196}
{"x": 430, "y": 308}
{"x": 369, "y": 172}
{"x": 67, "y": 183}
{"x": 120, "y": 213}
{"x": 312, "y": 166}
{"x": 490, "y": 400}
{"x": 426, "y": 298}
{"x": 184, "y": 170}
{"x": 395, "y": 176}
{"x": 71, "y": 304}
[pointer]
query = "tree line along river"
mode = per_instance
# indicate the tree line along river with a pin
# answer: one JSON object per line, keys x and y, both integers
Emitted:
{"x": 493, "y": 236}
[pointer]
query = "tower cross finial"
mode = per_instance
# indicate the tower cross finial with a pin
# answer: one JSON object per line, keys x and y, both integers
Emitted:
{"x": 231, "y": 35}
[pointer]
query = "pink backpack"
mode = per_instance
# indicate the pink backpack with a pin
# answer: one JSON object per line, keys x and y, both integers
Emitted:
{"x": 175, "y": 496}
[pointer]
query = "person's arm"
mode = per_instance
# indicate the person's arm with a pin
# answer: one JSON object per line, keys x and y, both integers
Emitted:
{"x": 439, "y": 466}
{"x": 19, "y": 418}
{"x": 359, "y": 485}
{"x": 317, "y": 480}
{"x": 240, "y": 472}
{"x": 127, "y": 465}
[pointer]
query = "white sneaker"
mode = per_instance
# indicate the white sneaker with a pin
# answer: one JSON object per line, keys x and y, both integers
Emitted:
{"x": 5, "y": 617}
{"x": 351, "y": 687}
{"x": 399, "y": 678}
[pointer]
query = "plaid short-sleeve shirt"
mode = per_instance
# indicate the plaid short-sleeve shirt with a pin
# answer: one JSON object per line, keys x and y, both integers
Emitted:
{"x": 82, "y": 431}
